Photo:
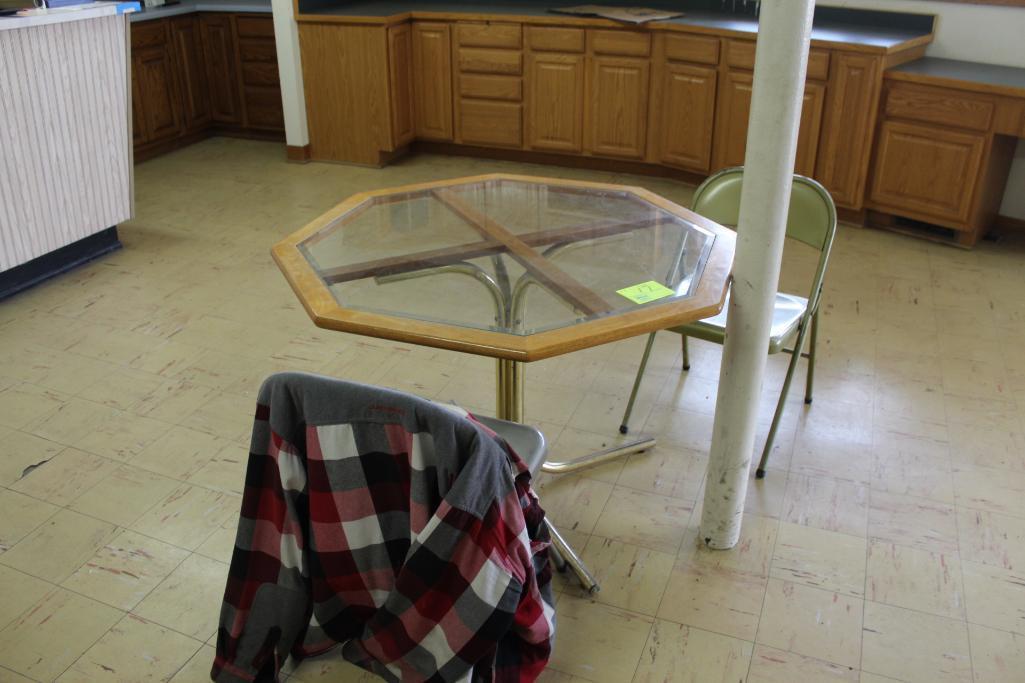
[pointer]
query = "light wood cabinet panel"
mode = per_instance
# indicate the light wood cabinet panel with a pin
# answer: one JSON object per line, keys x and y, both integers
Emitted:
{"x": 735, "y": 110}
{"x": 926, "y": 170}
{"x": 488, "y": 123}
{"x": 936, "y": 105}
{"x": 685, "y": 116}
{"x": 490, "y": 61}
{"x": 345, "y": 76}
{"x": 195, "y": 87}
{"x": 687, "y": 48}
{"x": 555, "y": 101}
{"x": 400, "y": 57}
{"x": 491, "y": 87}
{"x": 848, "y": 125}
{"x": 617, "y": 106}
{"x": 625, "y": 43}
{"x": 489, "y": 34}
{"x": 219, "y": 56}
{"x": 555, "y": 39}
{"x": 432, "y": 80}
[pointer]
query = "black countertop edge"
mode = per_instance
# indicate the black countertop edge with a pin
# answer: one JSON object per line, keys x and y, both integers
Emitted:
{"x": 970, "y": 72}
{"x": 832, "y": 17}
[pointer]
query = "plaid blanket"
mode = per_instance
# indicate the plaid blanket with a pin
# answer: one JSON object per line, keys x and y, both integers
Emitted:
{"x": 389, "y": 524}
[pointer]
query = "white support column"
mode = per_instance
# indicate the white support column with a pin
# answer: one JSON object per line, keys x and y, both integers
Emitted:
{"x": 781, "y": 60}
{"x": 290, "y": 73}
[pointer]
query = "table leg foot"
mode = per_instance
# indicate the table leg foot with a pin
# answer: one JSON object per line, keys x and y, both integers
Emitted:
{"x": 592, "y": 459}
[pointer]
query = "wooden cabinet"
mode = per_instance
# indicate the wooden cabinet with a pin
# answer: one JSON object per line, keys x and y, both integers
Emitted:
{"x": 684, "y": 115}
{"x": 258, "y": 73}
{"x": 927, "y": 170}
{"x": 616, "y": 118}
{"x": 195, "y": 86}
{"x": 400, "y": 57}
{"x": 555, "y": 101}
{"x": 219, "y": 60}
{"x": 432, "y": 80}
{"x": 942, "y": 156}
{"x": 157, "y": 107}
{"x": 848, "y": 125}
{"x": 734, "y": 110}
{"x": 197, "y": 74}
{"x": 489, "y": 61}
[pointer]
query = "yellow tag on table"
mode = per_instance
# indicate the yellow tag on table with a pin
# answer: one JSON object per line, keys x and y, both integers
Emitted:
{"x": 645, "y": 292}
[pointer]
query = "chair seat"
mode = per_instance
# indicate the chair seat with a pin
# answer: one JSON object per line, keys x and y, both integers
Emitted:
{"x": 786, "y": 317}
{"x": 529, "y": 443}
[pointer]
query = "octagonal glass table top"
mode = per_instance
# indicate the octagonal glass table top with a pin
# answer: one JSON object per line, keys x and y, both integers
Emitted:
{"x": 508, "y": 255}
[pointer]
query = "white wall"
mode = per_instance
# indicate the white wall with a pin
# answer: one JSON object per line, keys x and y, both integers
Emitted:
{"x": 975, "y": 33}
{"x": 290, "y": 73}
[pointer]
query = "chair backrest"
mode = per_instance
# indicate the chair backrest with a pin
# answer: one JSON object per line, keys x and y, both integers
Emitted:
{"x": 811, "y": 220}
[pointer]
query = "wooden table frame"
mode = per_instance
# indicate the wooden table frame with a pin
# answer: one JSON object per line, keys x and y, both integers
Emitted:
{"x": 326, "y": 312}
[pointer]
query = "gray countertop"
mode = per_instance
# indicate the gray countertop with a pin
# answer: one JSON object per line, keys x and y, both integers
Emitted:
{"x": 190, "y": 6}
{"x": 829, "y": 30}
{"x": 1007, "y": 77}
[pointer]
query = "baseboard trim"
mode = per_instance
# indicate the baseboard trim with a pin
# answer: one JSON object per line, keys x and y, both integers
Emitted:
{"x": 1003, "y": 222}
{"x": 298, "y": 154}
{"x": 59, "y": 261}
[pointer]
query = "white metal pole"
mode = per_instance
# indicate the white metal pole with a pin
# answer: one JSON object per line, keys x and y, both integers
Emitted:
{"x": 781, "y": 59}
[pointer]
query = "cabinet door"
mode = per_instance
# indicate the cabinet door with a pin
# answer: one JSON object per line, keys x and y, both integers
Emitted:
{"x": 139, "y": 135}
{"x": 195, "y": 88}
{"x": 555, "y": 101}
{"x": 686, "y": 116}
{"x": 617, "y": 113}
{"x": 926, "y": 171}
{"x": 735, "y": 110}
{"x": 258, "y": 73}
{"x": 221, "y": 70}
{"x": 850, "y": 117}
{"x": 400, "y": 55}
{"x": 161, "y": 108}
{"x": 432, "y": 80}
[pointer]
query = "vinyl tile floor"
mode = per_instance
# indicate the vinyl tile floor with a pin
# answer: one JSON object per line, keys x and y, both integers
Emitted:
{"x": 887, "y": 542}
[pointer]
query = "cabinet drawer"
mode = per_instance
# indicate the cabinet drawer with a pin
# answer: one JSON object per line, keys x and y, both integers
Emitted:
{"x": 491, "y": 123}
{"x": 741, "y": 55}
{"x": 257, "y": 50}
{"x": 488, "y": 35}
{"x": 939, "y": 105}
{"x": 149, "y": 34}
{"x": 491, "y": 87}
{"x": 627, "y": 43}
{"x": 818, "y": 65}
{"x": 263, "y": 107}
{"x": 258, "y": 27}
{"x": 551, "y": 39}
{"x": 260, "y": 73}
{"x": 480, "y": 60}
{"x": 700, "y": 49}
{"x": 926, "y": 171}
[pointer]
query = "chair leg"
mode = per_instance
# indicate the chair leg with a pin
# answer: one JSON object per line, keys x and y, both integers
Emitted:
{"x": 794, "y": 357}
{"x": 624, "y": 426}
{"x": 811, "y": 357}
{"x": 686, "y": 356}
{"x": 571, "y": 559}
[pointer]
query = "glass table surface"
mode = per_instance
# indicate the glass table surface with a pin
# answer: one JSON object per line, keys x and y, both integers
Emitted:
{"x": 511, "y": 255}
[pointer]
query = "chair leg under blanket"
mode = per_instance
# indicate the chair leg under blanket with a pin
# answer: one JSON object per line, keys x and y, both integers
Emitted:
{"x": 565, "y": 557}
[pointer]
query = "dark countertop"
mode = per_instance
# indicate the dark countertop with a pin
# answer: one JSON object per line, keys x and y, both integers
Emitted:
{"x": 190, "y": 6}
{"x": 881, "y": 30}
{"x": 990, "y": 76}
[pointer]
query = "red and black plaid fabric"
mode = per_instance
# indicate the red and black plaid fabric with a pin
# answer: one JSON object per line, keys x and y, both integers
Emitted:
{"x": 388, "y": 524}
